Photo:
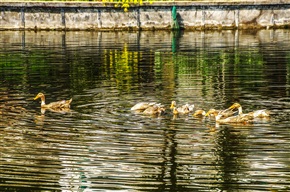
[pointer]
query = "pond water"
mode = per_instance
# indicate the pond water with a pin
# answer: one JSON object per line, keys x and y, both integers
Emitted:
{"x": 100, "y": 145}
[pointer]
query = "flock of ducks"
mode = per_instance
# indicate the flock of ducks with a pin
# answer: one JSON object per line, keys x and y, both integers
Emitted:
{"x": 233, "y": 114}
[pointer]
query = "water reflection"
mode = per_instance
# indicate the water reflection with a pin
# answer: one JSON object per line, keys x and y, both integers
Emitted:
{"x": 101, "y": 145}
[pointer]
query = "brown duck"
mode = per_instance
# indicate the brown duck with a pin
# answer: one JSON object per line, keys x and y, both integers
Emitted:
{"x": 53, "y": 105}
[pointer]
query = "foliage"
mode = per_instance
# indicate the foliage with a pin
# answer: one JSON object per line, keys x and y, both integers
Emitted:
{"x": 125, "y": 3}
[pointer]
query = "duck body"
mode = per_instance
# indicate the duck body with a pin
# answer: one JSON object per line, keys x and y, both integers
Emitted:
{"x": 239, "y": 119}
{"x": 262, "y": 113}
{"x": 142, "y": 106}
{"x": 53, "y": 105}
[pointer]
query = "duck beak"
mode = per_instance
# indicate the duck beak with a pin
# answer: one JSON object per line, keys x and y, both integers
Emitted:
{"x": 36, "y": 97}
{"x": 207, "y": 114}
{"x": 231, "y": 108}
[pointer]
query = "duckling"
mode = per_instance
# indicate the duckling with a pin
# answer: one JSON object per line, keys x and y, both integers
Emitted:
{"x": 212, "y": 113}
{"x": 53, "y": 105}
{"x": 190, "y": 107}
{"x": 263, "y": 113}
{"x": 186, "y": 107}
{"x": 154, "y": 110}
{"x": 199, "y": 113}
{"x": 180, "y": 110}
{"x": 142, "y": 106}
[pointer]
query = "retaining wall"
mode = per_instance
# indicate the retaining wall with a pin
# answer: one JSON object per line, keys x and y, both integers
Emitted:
{"x": 99, "y": 16}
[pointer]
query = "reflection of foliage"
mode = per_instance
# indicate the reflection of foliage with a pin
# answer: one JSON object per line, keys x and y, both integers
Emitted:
{"x": 120, "y": 68}
{"x": 15, "y": 68}
{"x": 124, "y": 64}
{"x": 76, "y": 68}
{"x": 207, "y": 63}
{"x": 220, "y": 69}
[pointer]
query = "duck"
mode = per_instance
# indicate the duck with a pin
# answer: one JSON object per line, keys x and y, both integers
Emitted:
{"x": 199, "y": 113}
{"x": 53, "y": 105}
{"x": 180, "y": 110}
{"x": 141, "y": 106}
{"x": 156, "y": 109}
{"x": 187, "y": 108}
{"x": 262, "y": 113}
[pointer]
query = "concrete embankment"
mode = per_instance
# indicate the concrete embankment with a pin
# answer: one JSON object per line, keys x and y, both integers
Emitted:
{"x": 191, "y": 15}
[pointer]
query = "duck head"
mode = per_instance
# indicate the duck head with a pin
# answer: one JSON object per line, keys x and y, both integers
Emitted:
{"x": 173, "y": 104}
{"x": 39, "y": 95}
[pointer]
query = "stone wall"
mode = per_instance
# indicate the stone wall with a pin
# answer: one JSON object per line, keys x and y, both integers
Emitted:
{"x": 98, "y": 16}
